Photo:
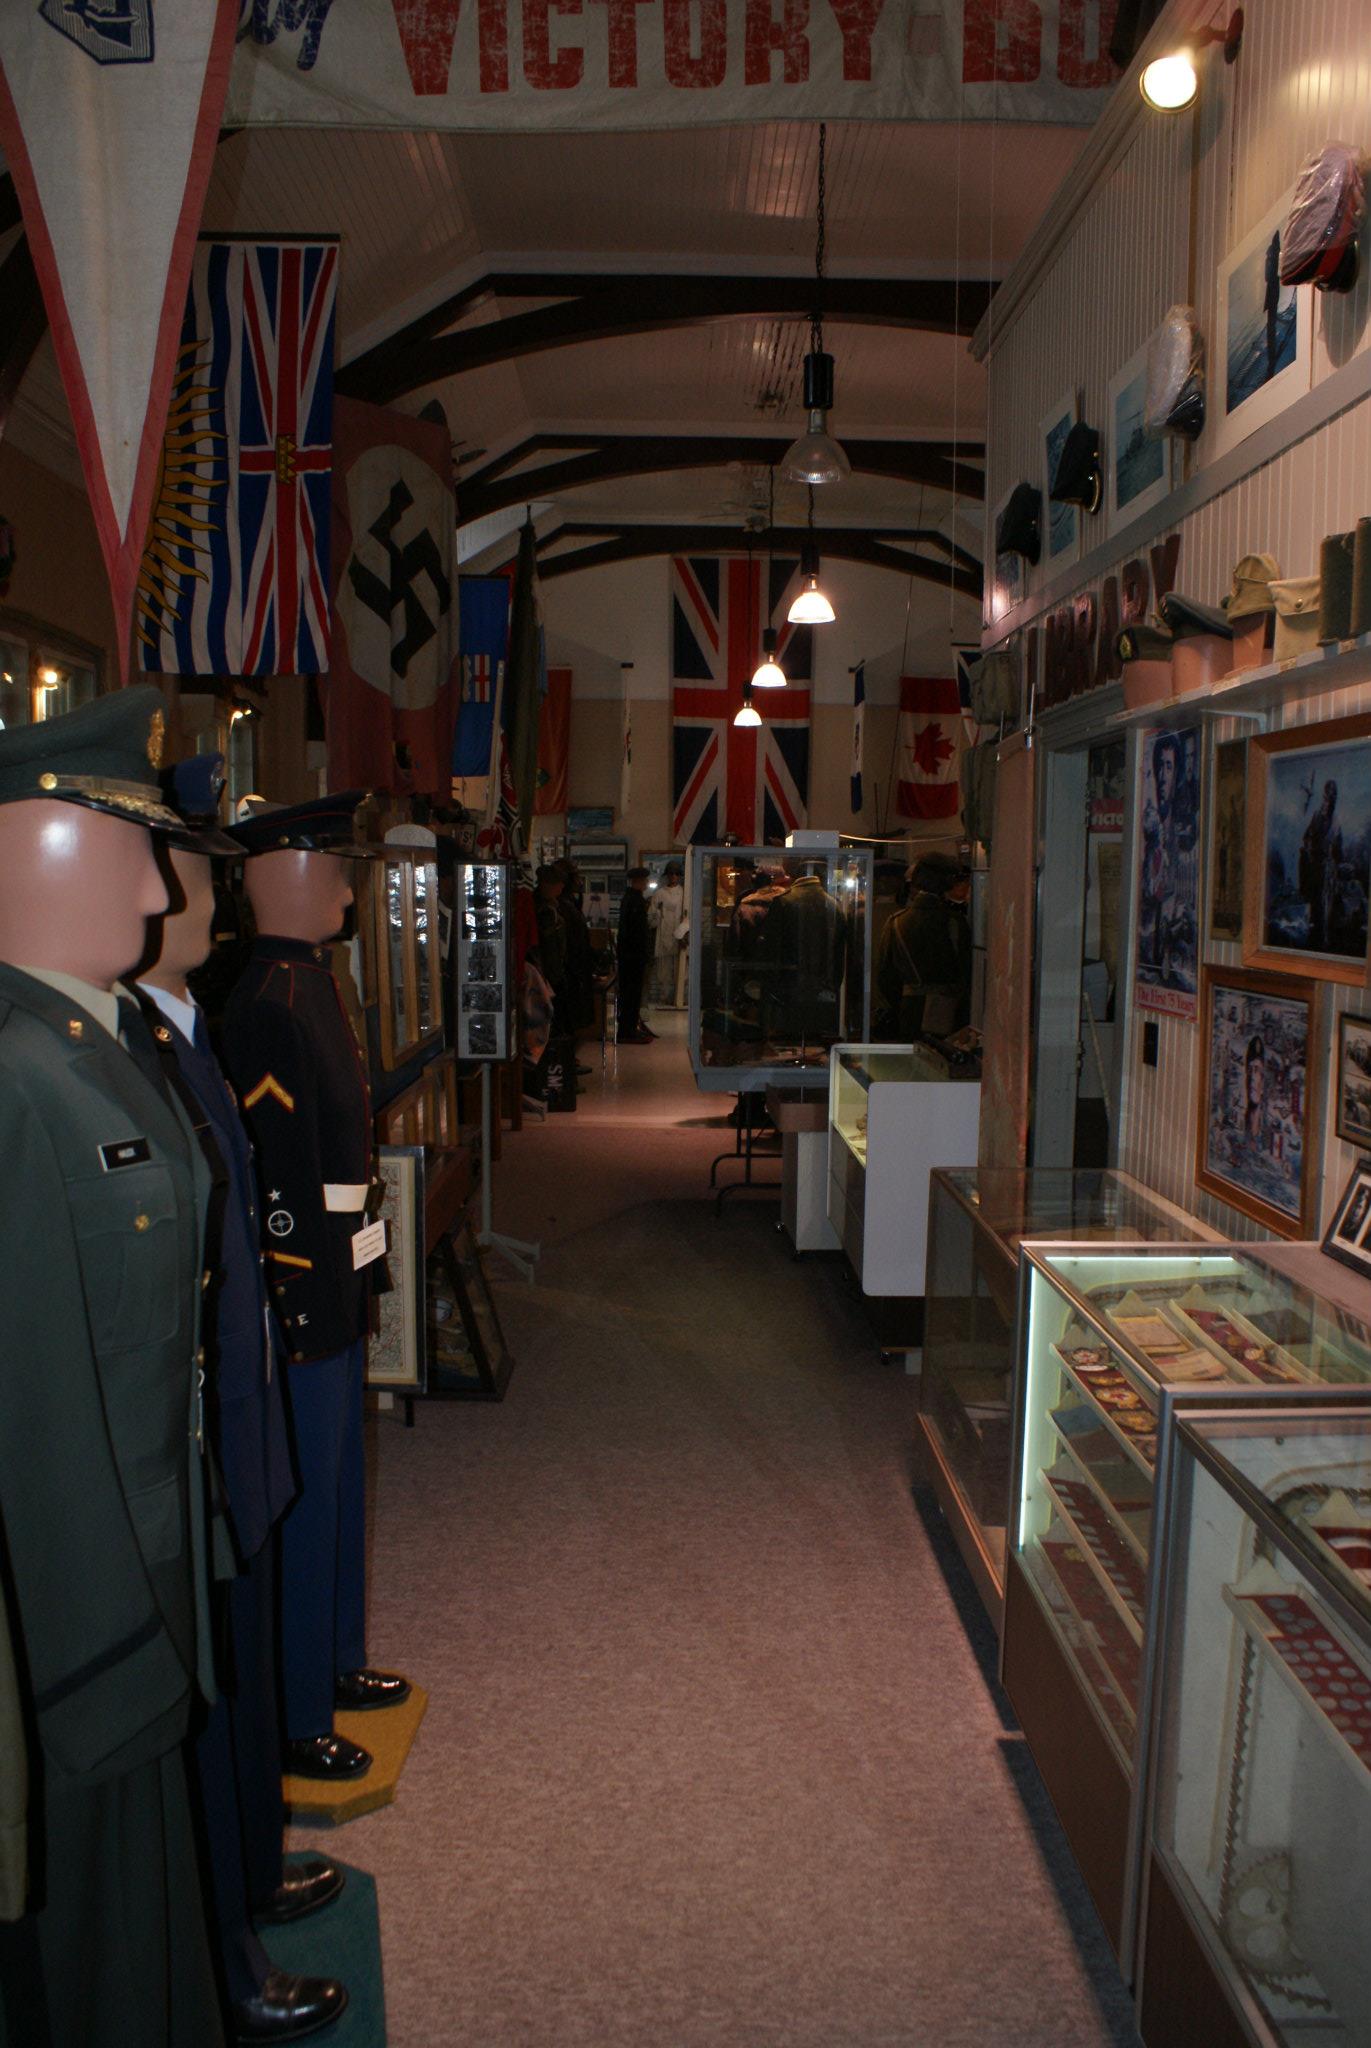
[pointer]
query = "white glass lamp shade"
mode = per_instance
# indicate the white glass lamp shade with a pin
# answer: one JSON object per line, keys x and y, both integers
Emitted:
{"x": 810, "y": 607}
{"x": 815, "y": 458}
{"x": 748, "y": 714}
{"x": 1170, "y": 83}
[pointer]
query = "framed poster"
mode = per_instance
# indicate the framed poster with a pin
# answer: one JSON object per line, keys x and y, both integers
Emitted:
{"x": 397, "y": 1353}
{"x": 1008, "y": 583}
{"x": 1349, "y": 1234}
{"x": 1264, "y": 346}
{"x": 1258, "y": 1074}
{"x": 470, "y": 1356}
{"x": 1061, "y": 539}
{"x": 1352, "y": 1116}
{"x": 1139, "y": 471}
{"x": 1227, "y": 804}
{"x": 1165, "y": 976}
{"x": 1307, "y": 866}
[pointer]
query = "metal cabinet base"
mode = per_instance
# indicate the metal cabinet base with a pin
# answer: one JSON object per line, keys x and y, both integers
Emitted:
{"x": 1183, "y": 2001}
{"x": 1080, "y": 1770}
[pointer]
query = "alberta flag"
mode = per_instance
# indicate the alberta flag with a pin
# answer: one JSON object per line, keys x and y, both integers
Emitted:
{"x": 928, "y": 747}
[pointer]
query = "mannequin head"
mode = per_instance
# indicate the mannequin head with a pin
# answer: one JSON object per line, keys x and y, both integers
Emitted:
{"x": 77, "y": 887}
{"x": 180, "y": 941}
{"x": 297, "y": 895}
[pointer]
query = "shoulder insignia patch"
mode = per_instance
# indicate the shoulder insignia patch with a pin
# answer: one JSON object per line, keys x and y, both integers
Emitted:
{"x": 269, "y": 1085}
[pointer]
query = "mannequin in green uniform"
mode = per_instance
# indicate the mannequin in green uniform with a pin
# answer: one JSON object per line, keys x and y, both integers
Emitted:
{"x": 923, "y": 962}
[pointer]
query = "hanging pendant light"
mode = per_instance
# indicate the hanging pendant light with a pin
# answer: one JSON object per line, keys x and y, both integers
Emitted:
{"x": 810, "y": 607}
{"x": 768, "y": 674}
{"x": 815, "y": 457}
{"x": 747, "y": 713}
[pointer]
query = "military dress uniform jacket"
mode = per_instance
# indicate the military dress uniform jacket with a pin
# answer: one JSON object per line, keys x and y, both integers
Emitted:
{"x": 101, "y": 1495}
{"x": 295, "y": 1063}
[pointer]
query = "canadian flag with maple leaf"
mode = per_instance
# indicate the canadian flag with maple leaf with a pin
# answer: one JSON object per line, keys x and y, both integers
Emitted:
{"x": 928, "y": 748}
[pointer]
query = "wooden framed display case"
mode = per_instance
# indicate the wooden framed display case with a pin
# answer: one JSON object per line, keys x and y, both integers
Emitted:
{"x": 1114, "y": 1343}
{"x": 978, "y": 1221}
{"x": 1255, "y": 1927}
{"x": 894, "y": 1113}
{"x": 402, "y": 955}
{"x": 779, "y": 962}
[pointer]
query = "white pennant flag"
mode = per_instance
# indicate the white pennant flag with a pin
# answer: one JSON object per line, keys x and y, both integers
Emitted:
{"x": 109, "y": 117}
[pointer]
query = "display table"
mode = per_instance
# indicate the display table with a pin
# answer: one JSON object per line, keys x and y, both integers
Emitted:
{"x": 802, "y": 1120}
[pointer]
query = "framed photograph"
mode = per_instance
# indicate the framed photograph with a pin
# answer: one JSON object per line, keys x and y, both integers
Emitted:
{"x": 1352, "y": 1118}
{"x": 397, "y": 1353}
{"x": 1258, "y": 1074}
{"x": 483, "y": 962}
{"x": 1264, "y": 345}
{"x": 1227, "y": 805}
{"x": 1307, "y": 865}
{"x": 1008, "y": 585}
{"x": 470, "y": 1356}
{"x": 1061, "y": 523}
{"x": 1349, "y": 1234}
{"x": 1139, "y": 462}
{"x": 1165, "y": 977}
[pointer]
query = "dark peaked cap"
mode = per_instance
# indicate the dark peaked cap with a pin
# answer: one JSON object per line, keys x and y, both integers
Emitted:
{"x": 326, "y": 824}
{"x": 105, "y": 756}
{"x": 193, "y": 789}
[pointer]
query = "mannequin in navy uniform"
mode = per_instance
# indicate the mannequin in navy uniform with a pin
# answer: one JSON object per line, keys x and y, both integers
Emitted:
{"x": 238, "y": 1749}
{"x": 102, "y": 1487}
{"x": 292, "y": 1056}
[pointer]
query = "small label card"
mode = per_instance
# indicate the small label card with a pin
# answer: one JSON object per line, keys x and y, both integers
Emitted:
{"x": 369, "y": 1243}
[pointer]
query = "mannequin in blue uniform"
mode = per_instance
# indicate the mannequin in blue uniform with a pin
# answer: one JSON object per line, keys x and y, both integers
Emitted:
{"x": 292, "y": 1055}
{"x": 238, "y": 1749}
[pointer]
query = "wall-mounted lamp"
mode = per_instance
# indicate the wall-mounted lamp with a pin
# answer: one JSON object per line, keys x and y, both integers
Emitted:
{"x": 768, "y": 674}
{"x": 1169, "y": 84}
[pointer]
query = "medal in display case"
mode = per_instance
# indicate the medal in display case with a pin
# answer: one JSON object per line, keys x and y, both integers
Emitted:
{"x": 1257, "y": 1926}
{"x": 1113, "y": 1343}
{"x": 978, "y": 1222}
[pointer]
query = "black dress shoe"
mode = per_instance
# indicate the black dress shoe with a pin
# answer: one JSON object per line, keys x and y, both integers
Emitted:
{"x": 304, "y": 1888}
{"x": 326, "y": 1756}
{"x": 357, "y": 1692}
{"x": 286, "y": 2008}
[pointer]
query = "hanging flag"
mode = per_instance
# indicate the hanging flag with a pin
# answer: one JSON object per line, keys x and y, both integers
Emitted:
{"x": 109, "y": 131}
{"x": 483, "y": 613}
{"x": 235, "y": 575}
{"x": 554, "y": 746}
{"x": 626, "y": 754}
{"x": 928, "y": 747}
{"x": 858, "y": 733}
{"x": 525, "y": 676}
{"x": 391, "y": 696}
{"x": 751, "y": 782}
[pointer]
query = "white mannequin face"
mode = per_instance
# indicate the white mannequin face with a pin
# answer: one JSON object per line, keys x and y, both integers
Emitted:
{"x": 76, "y": 889}
{"x": 183, "y": 935}
{"x": 299, "y": 895}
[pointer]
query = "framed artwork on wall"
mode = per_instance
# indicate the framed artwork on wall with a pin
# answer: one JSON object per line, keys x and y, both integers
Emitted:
{"x": 397, "y": 1353}
{"x": 1008, "y": 583}
{"x": 1349, "y": 1234}
{"x": 1226, "y": 839}
{"x": 1258, "y": 1074}
{"x": 1169, "y": 873}
{"x": 1263, "y": 348}
{"x": 1139, "y": 462}
{"x": 1352, "y": 1117}
{"x": 1307, "y": 862}
{"x": 1062, "y": 523}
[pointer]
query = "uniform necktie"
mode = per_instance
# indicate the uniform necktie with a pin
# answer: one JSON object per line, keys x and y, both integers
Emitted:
{"x": 137, "y": 1041}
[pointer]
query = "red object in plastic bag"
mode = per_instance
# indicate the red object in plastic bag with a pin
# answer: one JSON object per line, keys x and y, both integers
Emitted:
{"x": 1319, "y": 246}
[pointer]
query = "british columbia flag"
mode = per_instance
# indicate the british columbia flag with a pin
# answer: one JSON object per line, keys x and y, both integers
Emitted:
{"x": 235, "y": 574}
{"x": 752, "y": 783}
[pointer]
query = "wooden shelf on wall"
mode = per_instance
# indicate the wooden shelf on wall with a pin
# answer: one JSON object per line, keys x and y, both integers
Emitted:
{"x": 1255, "y": 691}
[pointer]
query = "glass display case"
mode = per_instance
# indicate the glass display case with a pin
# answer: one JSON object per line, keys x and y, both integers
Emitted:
{"x": 1259, "y": 1871}
{"x": 977, "y": 1222}
{"x": 779, "y": 961}
{"x": 1112, "y": 1343}
{"x": 402, "y": 955}
{"x": 895, "y": 1112}
{"x": 483, "y": 961}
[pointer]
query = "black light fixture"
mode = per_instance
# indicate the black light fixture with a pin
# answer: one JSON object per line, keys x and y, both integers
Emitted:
{"x": 815, "y": 457}
{"x": 1170, "y": 82}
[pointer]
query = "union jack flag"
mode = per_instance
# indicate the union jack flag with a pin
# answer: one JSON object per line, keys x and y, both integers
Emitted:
{"x": 750, "y": 782}
{"x": 235, "y": 575}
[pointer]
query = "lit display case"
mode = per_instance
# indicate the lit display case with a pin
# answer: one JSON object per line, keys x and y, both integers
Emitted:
{"x": 895, "y": 1112}
{"x": 1257, "y": 1927}
{"x": 402, "y": 954}
{"x": 1112, "y": 1344}
{"x": 482, "y": 961}
{"x": 779, "y": 961}
{"x": 978, "y": 1220}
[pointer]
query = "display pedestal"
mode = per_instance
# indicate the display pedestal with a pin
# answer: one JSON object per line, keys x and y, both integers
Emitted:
{"x": 342, "y": 1940}
{"x": 388, "y": 1734}
{"x": 802, "y": 1121}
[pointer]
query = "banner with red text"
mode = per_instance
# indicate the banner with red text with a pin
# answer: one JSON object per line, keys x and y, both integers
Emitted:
{"x": 635, "y": 64}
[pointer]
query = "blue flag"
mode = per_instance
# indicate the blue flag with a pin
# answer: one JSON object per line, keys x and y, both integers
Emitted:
{"x": 858, "y": 724}
{"x": 483, "y": 615}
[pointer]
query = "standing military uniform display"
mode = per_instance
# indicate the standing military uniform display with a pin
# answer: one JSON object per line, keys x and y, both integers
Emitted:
{"x": 923, "y": 961}
{"x": 102, "y": 1497}
{"x": 295, "y": 1062}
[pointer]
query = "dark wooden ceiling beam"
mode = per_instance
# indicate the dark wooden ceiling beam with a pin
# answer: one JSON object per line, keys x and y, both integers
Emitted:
{"x": 23, "y": 322}
{"x": 840, "y": 543}
{"x": 597, "y": 308}
{"x": 611, "y": 456}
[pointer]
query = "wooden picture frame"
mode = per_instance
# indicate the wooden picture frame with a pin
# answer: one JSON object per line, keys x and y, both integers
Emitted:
{"x": 471, "y": 1358}
{"x": 1227, "y": 841}
{"x": 1256, "y": 1146}
{"x": 1352, "y": 1111}
{"x": 397, "y": 1355}
{"x": 1348, "y": 1238}
{"x": 1297, "y": 882}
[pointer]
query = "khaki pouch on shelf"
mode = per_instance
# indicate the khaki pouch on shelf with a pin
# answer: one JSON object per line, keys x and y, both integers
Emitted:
{"x": 1297, "y": 616}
